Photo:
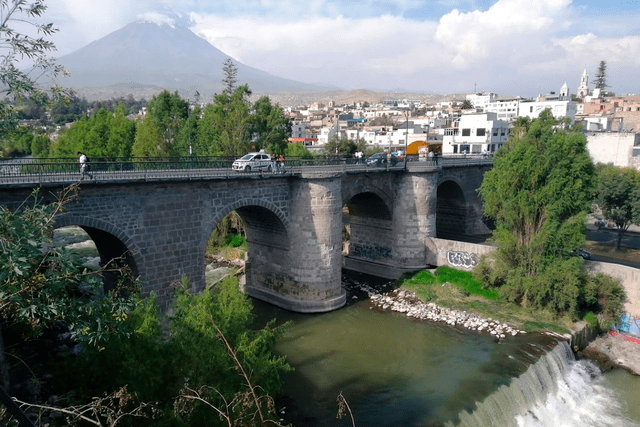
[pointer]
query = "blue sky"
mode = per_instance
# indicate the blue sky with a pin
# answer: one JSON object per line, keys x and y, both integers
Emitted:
{"x": 512, "y": 47}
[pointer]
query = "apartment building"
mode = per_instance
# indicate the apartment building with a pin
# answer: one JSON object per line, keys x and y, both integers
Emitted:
{"x": 475, "y": 134}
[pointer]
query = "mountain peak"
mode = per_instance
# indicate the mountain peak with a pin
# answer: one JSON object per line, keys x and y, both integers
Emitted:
{"x": 170, "y": 19}
{"x": 160, "y": 51}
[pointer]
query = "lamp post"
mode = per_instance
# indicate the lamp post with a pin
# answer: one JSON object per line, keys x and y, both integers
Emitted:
{"x": 406, "y": 142}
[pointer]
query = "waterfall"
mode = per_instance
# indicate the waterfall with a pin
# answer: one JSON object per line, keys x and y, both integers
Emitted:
{"x": 556, "y": 391}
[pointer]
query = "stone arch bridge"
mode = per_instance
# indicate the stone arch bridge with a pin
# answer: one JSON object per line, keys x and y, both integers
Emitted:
{"x": 294, "y": 222}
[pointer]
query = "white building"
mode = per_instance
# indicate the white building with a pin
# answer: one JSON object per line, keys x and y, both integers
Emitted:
{"x": 583, "y": 88}
{"x": 559, "y": 108}
{"x": 505, "y": 108}
{"x": 475, "y": 134}
{"x": 481, "y": 100}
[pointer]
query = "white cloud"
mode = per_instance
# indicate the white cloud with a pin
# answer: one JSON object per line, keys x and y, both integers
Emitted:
{"x": 504, "y": 29}
{"x": 384, "y": 43}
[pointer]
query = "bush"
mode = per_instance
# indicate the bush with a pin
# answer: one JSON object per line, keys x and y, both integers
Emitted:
{"x": 159, "y": 363}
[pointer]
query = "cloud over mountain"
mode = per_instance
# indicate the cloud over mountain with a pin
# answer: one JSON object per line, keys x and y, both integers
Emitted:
{"x": 164, "y": 54}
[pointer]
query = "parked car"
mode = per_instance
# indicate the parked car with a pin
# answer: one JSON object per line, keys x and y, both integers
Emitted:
{"x": 581, "y": 252}
{"x": 380, "y": 159}
{"x": 253, "y": 161}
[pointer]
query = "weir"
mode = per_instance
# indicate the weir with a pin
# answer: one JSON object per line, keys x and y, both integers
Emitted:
{"x": 557, "y": 390}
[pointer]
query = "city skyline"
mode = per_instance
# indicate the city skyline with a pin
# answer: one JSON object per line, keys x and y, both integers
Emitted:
{"x": 511, "y": 47}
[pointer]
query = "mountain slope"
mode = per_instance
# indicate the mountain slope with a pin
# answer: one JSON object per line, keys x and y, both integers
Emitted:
{"x": 168, "y": 57}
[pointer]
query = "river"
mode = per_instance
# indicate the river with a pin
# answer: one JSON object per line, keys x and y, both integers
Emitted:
{"x": 396, "y": 371}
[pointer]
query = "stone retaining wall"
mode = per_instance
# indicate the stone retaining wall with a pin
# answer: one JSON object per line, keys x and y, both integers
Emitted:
{"x": 630, "y": 278}
{"x": 465, "y": 256}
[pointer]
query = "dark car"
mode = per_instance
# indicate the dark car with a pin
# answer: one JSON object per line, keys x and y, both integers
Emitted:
{"x": 380, "y": 159}
{"x": 582, "y": 253}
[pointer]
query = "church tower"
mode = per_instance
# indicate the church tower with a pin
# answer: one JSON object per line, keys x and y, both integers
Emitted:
{"x": 583, "y": 89}
{"x": 564, "y": 91}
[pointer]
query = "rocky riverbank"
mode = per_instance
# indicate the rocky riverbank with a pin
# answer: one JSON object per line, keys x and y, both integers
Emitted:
{"x": 614, "y": 350}
{"x": 404, "y": 301}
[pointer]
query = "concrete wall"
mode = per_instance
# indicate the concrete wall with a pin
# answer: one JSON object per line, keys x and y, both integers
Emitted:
{"x": 612, "y": 147}
{"x": 465, "y": 256}
{"x": 630, "y": 278}
{"x": 460, "y": 255}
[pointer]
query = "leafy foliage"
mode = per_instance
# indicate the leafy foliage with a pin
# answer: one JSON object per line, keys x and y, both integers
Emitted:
{"x": 343, "y": 146}
{"x": 19, "y": 50}
{"x": 538, "y": 192}
{"x": 157, "y": 133}
{"x": 210, "y": 339}
{"x": 40, "y": 285}
{"x": 601, "y": 76}
{"x": 104, "y": 134}
{"x": 618, "y": 197}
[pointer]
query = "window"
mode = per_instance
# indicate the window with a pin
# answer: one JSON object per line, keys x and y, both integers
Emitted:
{"x": 495, "y": 132}
{"x": 466, "y": 132}
{"x": 480, "y": 132}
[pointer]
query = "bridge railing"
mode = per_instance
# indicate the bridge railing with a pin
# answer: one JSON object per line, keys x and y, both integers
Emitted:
{"x": 30, "y": 171}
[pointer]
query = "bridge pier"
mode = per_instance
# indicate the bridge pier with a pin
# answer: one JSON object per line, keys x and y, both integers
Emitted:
{"x": 308, "y": 277}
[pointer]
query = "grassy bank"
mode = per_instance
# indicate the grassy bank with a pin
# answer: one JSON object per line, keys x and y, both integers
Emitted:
{"x": 457, "y": 289}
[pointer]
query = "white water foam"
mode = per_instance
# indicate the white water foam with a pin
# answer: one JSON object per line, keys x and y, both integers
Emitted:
{"x": 556, "y": 391}
{"x": 581, "y": 400}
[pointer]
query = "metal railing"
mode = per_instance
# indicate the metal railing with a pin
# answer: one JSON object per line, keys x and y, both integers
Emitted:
{"x": 55, "y": 171}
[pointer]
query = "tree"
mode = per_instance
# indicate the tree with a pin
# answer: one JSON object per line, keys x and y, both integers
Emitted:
{"x": 601, "y": 76}
{"x": 618, "y": 197}
{"x": 466, "y": 105}
{"x": 297, "y": 149}
{"x": 19, "y": 49}
{"x": 45, "y": 288}
{"x": 538, "y": 193}
{"x": 158, "y": 131}
{"x": 104, "y": 134}
{"x": 225, "y": 128}
{"x": 269, "y": 127}
{"x": 230, "y": 72}
{"x": 343, "y": 146}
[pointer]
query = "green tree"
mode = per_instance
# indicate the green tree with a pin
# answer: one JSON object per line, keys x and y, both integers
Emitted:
{"x": 103, "y": 134}
{"x": 230, "y": 72}
{"x": 270, "y": 128}
{"x": 17, "y": 23}
{"x": 43, "y": 287}
{"x": 344, "y": 146}
{"x": 538, "y": 193}
{"x": 157, "y": 133}
{"x": 601, "y": 76}
{"x": 297, "y": 149}
{"x": 466, "y": 105}
{"x": 618, "y": 197}
{"x": 225, "y": 128}
{"x": 188, "y": 142}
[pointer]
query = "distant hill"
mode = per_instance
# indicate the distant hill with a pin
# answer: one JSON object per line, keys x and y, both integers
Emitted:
{"x": 143, "y": 58}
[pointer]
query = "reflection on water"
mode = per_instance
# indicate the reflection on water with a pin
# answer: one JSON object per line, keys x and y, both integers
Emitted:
{"x": 392, "y": 370}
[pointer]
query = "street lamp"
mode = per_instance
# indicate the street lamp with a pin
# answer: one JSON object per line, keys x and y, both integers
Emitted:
{"x": 406, "y": 141}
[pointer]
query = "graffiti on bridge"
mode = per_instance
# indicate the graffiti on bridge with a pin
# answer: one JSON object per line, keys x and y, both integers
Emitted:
{"x": 462, "y": 259}
{"x": 371, "y": 252}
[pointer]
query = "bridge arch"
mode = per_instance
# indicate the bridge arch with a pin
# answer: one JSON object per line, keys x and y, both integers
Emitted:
{"x": 111, "y": 242}
{"x": 268, "y": 244}
{"x": 451, "y": 210}
{"x": 247, "y": 208}
{"x": 368, "y": 225}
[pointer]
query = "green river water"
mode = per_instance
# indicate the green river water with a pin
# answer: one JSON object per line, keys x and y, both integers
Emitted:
{"x": 397, "y": 371}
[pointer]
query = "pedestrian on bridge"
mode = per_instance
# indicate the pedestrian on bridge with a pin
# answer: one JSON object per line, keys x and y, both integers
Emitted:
{"x": 83, "y": 164}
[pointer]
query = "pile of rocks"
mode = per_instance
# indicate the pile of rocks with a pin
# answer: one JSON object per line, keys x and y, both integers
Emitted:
{"x": 404, "y": 301}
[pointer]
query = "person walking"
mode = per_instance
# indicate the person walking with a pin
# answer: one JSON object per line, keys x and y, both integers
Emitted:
{"x": 83, "y": 165}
